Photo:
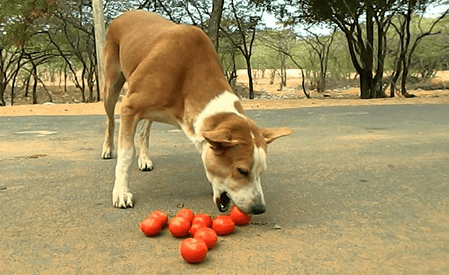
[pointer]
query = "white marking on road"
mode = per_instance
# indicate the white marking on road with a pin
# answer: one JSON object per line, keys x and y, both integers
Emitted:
{"x": 346, "y": 114}
{"x": 40, "y": 133}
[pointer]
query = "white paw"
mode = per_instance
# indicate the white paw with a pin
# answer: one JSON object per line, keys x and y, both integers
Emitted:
{"x": 145, "y": 164}
{"x": 106, "y": 153}
{"x": 122, "y": 199}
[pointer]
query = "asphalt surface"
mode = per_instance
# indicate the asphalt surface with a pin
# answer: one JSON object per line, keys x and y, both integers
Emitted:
{"x": 354, "y": 190}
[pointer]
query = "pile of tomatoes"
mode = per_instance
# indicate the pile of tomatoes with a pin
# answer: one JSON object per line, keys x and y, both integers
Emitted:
{"x": 200, "y": 229}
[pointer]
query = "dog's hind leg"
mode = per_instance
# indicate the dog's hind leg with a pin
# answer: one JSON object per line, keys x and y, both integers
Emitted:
{"x": 121, "y": 197}
{"x": 114, "y": 81}
{"x": 145, "y": 163}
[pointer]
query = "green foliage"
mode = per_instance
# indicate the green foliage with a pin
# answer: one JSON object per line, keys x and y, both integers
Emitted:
{"x": 432, "y": 52}
{"x": 19, "y": 20}
{"x": 265, "y": 57}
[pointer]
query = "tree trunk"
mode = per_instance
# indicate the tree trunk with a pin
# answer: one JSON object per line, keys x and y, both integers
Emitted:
{"x": 369, "y": 54}
{"x": 250, "y": 77}
{"x": 14, "y": 79}
{"x": 2, "y": 78}
{"x": 303, "y": 85}
{"x": 321, "y": 82}
{"x": 34, "y": 85}
{"x": 381, "y": 47}
{"x": 272, "y": 76}
{"x": 395, "y": 76}
{"x": 65, "y": 78}
{"x": 404, "y": 81}
{"x": 100, "y": 38}
{"x": 214, "y": 21}
{"x": 319, "y": 86}
{"x": 91, "y": 80}
{"x": 60, "y": 78}
{"x": 283, "y": 72}
{"x": 233, "y": 75}
{"x": 407, "y": 36}
{"x": 15, "y": 74}
{"x": 2, "y": 93}
{"x": 26, "y": 84}
{"x": 98, "y": 96}
{"x": 365, "y": 85}
{"x": 83, "y": 84}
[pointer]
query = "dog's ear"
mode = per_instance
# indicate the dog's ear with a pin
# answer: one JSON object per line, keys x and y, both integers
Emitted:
{"x": 270, "y": 134}
{"x": 219, "y": 139}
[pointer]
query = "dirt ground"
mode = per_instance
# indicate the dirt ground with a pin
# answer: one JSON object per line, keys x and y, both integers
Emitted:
{"x": 429, "y": 97}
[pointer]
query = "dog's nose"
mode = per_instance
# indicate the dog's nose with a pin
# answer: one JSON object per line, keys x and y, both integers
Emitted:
{"x": 258, "y": 209}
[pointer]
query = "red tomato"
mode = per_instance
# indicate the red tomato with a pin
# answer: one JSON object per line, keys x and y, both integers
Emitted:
{"x": 161, "y": 216}
{"x": 193, "y": 250}
{"x": 208, "y": 235}
{"x": 150, "y": 226}
{"x": 239, "y": 217}
{"x": 194, "y": 228}
{"x": 223, "y": 225}
{"x": 186, "y": 213}
{"x": 179, "y": 227}
{"x": 202, "y": 218}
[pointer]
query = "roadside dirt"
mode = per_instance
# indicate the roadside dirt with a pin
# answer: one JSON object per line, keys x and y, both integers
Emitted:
{"x": 422, "y": 97}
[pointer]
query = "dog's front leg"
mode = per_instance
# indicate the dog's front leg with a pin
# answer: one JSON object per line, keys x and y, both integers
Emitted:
{"x": 121, "y": 197}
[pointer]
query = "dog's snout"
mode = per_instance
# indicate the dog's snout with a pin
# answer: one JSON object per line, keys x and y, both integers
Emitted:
{"x": 258, "y": 209}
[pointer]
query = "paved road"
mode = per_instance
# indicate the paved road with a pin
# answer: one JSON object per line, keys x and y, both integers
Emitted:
{"x": 355, "y": 190}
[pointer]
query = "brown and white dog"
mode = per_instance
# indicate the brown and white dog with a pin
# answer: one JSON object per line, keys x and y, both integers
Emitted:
{"x": 174, "y": 76}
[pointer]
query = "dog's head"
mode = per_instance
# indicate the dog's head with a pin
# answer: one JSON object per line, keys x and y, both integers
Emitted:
{"x": 235, "y": 157}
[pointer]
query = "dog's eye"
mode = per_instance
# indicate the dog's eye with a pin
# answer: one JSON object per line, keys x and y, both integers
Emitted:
{"x": 242, "y": 171}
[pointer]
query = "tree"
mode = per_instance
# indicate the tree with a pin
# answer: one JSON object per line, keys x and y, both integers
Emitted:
{"x": 406, "y": 48}
{"x": 228, "y": 58}
{"x": 358, "y": 20}
{"x": 214, "y": 22}
{"x": 180, "y": 11}
{"x": 432, "y": 55}
{"x": 16, "y": 27}
{"x": 35, "y": 59}
{"x": 100, "y": 41}
{"x": 73, "y": 36}
{"x": 10, "y": 57}
{"x": 204, "y": 14}
{"x": 281, "y": 41}
{"x": 245, "y": 16}
{"x": 320, "y": 46}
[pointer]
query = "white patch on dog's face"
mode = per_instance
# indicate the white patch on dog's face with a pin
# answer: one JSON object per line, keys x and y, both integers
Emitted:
{"x": 245, "y": 190}
{"x": 260, "y": 161}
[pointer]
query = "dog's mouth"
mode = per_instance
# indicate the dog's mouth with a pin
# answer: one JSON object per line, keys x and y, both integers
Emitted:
{"x": 223, "y": 202}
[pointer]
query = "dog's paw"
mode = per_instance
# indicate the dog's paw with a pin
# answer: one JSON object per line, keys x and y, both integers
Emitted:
{"x": 122, "y": 199}
{"x": 145, "y": 164}
{"x": 106, "y": 153}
